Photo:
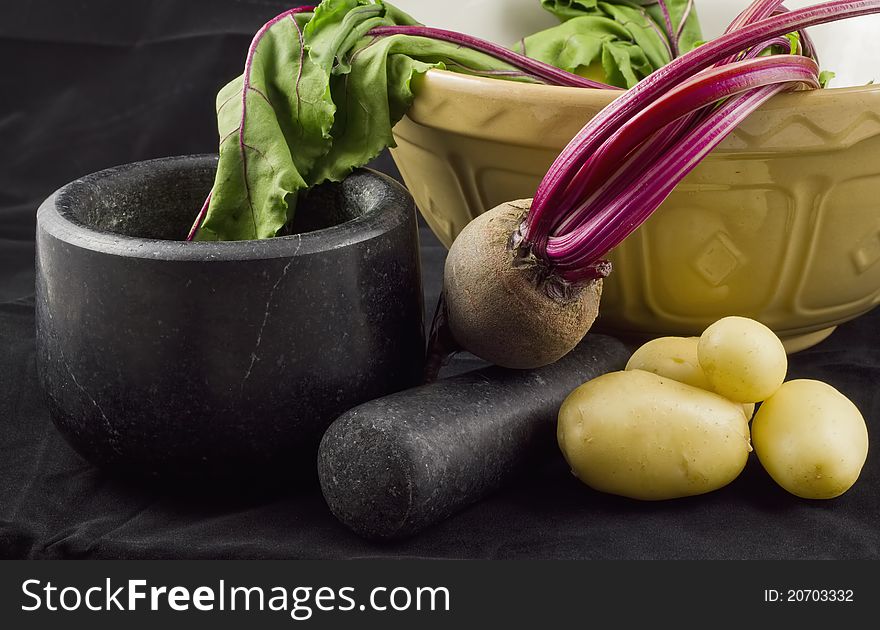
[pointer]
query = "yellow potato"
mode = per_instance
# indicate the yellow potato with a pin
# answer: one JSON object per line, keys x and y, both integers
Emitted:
{"x": 811, "y": 439}
{"x": 671, "y": 357}
{"x": 643, "y": 436}
{"x": 676, "y": 358}
{"x": 743, "y": 359}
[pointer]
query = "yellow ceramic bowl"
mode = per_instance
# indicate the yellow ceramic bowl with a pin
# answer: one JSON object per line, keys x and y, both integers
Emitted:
{"x": 781, "y": 223}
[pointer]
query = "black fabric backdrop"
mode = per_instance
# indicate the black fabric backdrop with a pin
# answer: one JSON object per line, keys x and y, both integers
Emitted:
{"x": 95, "y": 83}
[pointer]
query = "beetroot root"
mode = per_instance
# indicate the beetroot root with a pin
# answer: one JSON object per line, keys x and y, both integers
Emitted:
{"x": 507, "y": 309}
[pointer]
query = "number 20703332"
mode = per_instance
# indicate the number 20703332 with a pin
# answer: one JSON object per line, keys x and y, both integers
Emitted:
{"x": 808, "y": 595}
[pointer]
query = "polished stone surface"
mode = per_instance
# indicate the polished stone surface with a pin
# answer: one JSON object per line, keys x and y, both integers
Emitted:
{"x": 391, "y": 467}
{"x": 161, "y": 357}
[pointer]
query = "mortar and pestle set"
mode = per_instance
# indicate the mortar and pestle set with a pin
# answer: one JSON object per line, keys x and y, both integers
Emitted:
{"x": 201, "y": 361}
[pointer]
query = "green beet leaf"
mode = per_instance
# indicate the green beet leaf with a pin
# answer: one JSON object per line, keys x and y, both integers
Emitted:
{"x": 826, "y": 76}
{"x": 628, "y": 41}
{"x": 374, "y": 90}
{"x": 691, "y": 34}
{"x": 274, "y": 122}
{"x": 318, "y": 98}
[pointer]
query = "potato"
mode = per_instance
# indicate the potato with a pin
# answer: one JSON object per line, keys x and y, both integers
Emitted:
{"x": 643, "y": 436}
{"x": 811, "y": 439}
{"x": 676, "y": 358}
{"x": 671, "y": 357}
{"x": 743, "y": 359}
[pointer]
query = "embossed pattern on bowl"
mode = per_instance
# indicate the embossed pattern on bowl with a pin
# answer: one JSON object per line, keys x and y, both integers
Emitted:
{"x": 780, "y": 223}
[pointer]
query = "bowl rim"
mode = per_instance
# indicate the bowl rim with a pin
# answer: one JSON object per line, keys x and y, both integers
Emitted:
{"x": 465, "y": 83}
{"x": 537, "y": 116}
{"x": 54, "y": 218}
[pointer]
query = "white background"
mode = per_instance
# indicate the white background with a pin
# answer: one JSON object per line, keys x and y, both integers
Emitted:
{"x": 850, "y": 48}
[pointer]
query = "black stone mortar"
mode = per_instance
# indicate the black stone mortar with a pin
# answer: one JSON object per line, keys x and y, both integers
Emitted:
{"x": 170, "y": 359}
